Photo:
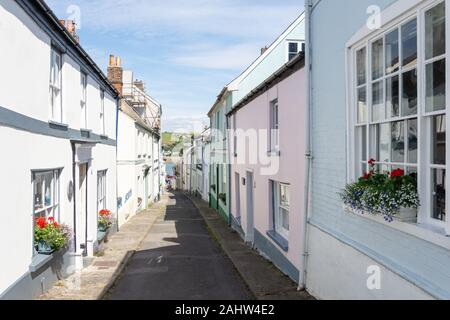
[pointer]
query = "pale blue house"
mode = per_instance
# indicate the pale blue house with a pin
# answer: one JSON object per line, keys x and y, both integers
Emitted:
{"x": 378, "y": 90}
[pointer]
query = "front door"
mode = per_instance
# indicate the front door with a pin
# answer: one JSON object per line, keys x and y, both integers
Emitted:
{"x": 237, "y": 186}
{"x": 82, "y": 208}
{"x": 250, "y": 234}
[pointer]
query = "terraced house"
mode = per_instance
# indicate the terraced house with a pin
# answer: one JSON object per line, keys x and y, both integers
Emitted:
{"x": 379, "y": 89}
{"x": 283, "y": 49}
{"x": 58, "y": 115}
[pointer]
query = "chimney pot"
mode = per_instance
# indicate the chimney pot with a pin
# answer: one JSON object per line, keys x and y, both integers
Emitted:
{"x": 263, "y": 50}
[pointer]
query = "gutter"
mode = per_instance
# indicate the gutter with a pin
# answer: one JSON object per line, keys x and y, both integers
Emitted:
{"x": 308, "y": 151}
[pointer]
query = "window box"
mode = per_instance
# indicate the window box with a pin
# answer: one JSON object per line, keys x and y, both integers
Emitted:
{"x": 43, "y": 248}
{"x": 406, "y": 215}
{"x": 391, "y": 194}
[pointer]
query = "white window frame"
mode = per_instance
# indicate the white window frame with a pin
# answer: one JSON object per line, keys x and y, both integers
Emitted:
{"x": 364, "y": 38}
{"x": 102, "y": 113}
{"x": 101, "y": 190}
{"x": 51, "y": 209}
{"x": 55, "y": 86}
{"x": 83, "y": 100}
{"x": 277, "y": 206}
{"x": 299, "y": 47}
{"x": 274, "y": 126}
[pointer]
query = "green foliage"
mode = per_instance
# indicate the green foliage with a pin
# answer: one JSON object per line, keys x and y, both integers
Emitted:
{"x": 54, "y": 235}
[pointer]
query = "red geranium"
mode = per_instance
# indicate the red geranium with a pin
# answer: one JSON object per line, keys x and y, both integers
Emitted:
{"x": 105, "y": 212}
{"x": 372, "y": 162}
{"x": 41, "y": 223}
{"x": 397, "y": 173}
{"x": 367, "y": 176}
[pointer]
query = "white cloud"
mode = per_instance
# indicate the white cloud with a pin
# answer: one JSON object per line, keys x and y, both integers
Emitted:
{"x": 235, "y": 57}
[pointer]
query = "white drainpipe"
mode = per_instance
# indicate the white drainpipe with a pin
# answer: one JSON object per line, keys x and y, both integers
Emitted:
{"x": 308, "y": 145}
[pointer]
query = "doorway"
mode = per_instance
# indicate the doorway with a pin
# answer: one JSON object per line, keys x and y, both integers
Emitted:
{"x": 237, "y": 187}
{"x": 250, "y": 234}
{"x": 83, "y": 208}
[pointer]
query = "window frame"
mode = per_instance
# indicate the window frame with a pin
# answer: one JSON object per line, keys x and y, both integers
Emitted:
{"x": 101, "y": 190}
{"x": 299, "y": 48}
{"x": 83, "y": 100}
{"x": 277, "y": 205}
{"x": 424, "y": 165}
{"x": 56, "y": 111}
{"x": 102, "y": 113}
{"x": 274, "y": 126}
{"x": 55, "y": 207}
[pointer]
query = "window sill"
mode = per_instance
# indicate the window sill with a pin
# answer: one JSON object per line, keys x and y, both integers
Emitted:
{"x": 425, "y": 232}
{"x": 274, "y": 153}
{"x": 279, "y": 240}
{"x": 39, "y": 261}
{"x": 58, "y": 125}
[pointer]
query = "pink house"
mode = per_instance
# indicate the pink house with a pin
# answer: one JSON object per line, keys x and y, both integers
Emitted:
{"x": 267, "y": 150}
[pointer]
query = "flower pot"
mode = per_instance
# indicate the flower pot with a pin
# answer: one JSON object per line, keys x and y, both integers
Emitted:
{"x": 43, "y": 248}
{"x": 406, "y": 215}
{"x": 102, "y": 228}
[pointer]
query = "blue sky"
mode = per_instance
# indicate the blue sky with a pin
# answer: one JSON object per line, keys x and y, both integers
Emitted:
{"x": 185, "y": 51}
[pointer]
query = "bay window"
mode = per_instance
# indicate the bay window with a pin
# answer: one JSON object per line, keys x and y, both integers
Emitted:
{"x": 399, "y": 108}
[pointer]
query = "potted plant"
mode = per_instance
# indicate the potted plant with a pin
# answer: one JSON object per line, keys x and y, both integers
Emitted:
{"x": 391, "y": 194}
{"x": 105, "y": 220}
{"x": 49, "y": 236}
{"x": 223, "y": 197}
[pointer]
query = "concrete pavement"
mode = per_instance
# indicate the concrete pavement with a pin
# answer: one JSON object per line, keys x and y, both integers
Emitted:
{"x": 178, "y": 260}
{"x": 92, "y": 282}
{"x": 264, "y": 280}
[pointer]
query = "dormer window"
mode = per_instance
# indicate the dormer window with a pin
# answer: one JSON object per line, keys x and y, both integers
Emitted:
{"x": 293, "y": 48}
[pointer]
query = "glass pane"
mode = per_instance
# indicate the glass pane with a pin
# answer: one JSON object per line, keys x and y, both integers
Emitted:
{"x": 412, "y": 141}
{"x": 409, "y": 43}
{"x": 293, "y": 47}
{"x": 362, "y": 105}
{"x": 435, "y": 85}
{"x": 284, "y": 196}
{"x": 377, "y": 59}
{"x": 384, "y": 137}
{"x": 409, "y": 90}
{"x": 398, "y": 142}
{"x": 378, "y": 108}
{"x": 361, "y": 66}
{"x": 363, "y": 131}
{"x": 435, "y": 31}
{"x": 392, "y": 52}
{"x": 392, "y": 96}
{"x": 438, "y": 195}
{"x": 284, "y": 218}
{"x": 438, "y": 139}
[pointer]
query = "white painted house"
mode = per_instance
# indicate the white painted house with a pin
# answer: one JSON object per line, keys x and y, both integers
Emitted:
{"x": 138, "y": 145}
{"x": 58, "y": 117}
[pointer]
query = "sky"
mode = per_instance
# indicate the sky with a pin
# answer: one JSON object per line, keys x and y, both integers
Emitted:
{"x": 185, "y": 51}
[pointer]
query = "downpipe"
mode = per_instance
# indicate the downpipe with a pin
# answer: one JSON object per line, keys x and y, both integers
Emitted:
{"x": 308, "y": 152}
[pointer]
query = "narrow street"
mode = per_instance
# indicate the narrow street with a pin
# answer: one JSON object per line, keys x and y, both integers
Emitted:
{"x": 179, "y": 260}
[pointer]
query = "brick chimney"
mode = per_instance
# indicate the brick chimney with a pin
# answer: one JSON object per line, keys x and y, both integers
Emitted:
{"x": 71, "y": 26}
{"x": 115, "y": 73}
